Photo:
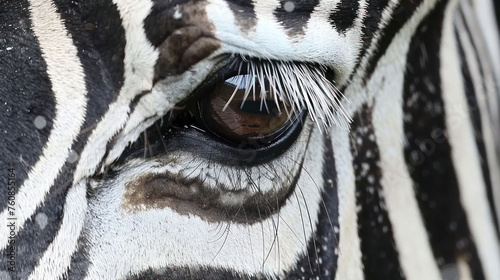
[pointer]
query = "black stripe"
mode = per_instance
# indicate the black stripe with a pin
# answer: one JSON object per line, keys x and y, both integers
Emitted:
{"x": 183, "y": 273}
{"x": 379, "y": 254}
{"x": 497, "y": 12}
{"x": 32, "y": 241}
{"x": 102, "y": 79}
{"x": 401, "y": 14}
{"x": 25, "y": 93}
{"x": 342, "y": 18}
{"x": 97, "y": 33}
{"x": 244, "y": 13}
{"x": 160, "y": 22}
{"x": 100, "y": 39}
{"x": 370, "y": 26}
{"x": 296, "y": 20}
{"x": 96, "y": 48}
{"x": 428, "y": 153}
{"x": 321, "y": 258}
{"x": 101, "y": 86}
{"x": 470, "y": 94}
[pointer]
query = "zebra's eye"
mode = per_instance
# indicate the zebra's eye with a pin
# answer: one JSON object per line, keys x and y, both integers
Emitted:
{"x": 240, "y": 110}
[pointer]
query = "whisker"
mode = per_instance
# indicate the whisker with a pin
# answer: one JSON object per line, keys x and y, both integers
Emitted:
{"x": 161, "y": 136}
{"x": 303, "y": 229}
{"x": 226, "y": 230}
{"x": 312, "y": 227}
{"x": 322, "y": 200}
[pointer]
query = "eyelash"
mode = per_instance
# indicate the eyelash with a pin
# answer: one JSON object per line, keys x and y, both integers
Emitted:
{"x": 302, "y": 85}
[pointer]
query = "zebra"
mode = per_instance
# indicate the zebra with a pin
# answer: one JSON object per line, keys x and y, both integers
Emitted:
{"x": 230, "y": 139}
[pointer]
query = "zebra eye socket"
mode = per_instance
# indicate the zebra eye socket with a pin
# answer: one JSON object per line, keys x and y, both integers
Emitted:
{"x": 239, "y": 110}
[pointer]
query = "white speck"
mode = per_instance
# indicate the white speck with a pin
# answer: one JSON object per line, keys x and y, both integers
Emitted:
{"x": 371, "y": 190}
{"x": 40, "y": 122}
{"x": 93, "y": 185}
{"x": 9, "y": 48}
{"x": 289, "y": 6}
{"x": 21, "y": 160}
{"x": 302, "y": 269}
{"x": 369, "y": 154}
{"x": 415, "y": 156}
{"x": 385, "y": 229}
{"x": 380, "y": 218}
{"x": 371, "y": 137}
{"x": 336, "y": 229}
{"x": 324, "y": 248}
{"x": 177, "y": 14}
{"x": 453, "y": 226}
{"x": 330, "y": 182}
{"x": 365, "y": 166}
{"x": 41, "y": 220}
{"x": 371, "y": 179}
{"x": 359, "y": 141}
{"x": 72, "y": 157}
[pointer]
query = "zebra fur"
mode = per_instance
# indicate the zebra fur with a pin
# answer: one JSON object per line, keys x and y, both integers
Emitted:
{"x": 410, "y": 191}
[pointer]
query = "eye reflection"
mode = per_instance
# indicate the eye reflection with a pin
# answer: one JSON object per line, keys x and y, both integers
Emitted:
{"x": 238, "y": 117}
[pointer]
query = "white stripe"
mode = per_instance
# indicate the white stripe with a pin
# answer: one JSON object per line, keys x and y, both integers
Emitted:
{"x": 349, "y": 265}
{"x": 57, "y": 258}
{"x": 486, "y": 18}
{"x": 139, "y": 61}
{"x": 491, "y": 121}
{"x": 68, "y": 85}
{"x": 410, "y": 235}
{"x": 463, "y": 269}
{"x": 465, "y": 155}
{"x": 488, "y": 62}
{"x": 482, "y": 105}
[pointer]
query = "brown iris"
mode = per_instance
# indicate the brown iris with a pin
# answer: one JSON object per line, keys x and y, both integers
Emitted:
{"x": 230, "y": 114}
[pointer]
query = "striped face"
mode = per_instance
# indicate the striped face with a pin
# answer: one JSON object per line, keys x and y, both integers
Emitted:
{"x": 155, "y": 139}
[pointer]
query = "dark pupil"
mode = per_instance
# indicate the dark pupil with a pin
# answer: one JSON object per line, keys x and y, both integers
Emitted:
{"x": 243, "y": 119}
{"x": 256, "y": 107}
